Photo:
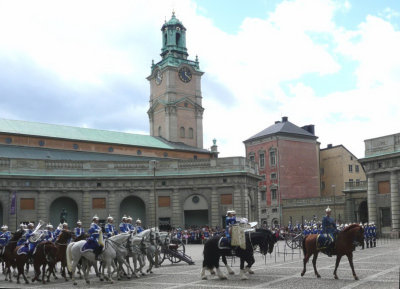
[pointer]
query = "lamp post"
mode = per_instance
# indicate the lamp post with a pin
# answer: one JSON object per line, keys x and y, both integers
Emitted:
{"x": 153, "y": 166}
{"x": 334, "y": 201}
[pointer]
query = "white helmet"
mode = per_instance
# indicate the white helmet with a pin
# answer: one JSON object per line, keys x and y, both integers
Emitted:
{"x": 79, "y": 222}
{"x": 110, "y": 218}
{"x": 328, "y": 209}
{"x": 138, "y": 221}
{"x": 65, "y": 224}
{"x": 95, "y": 217}
{"x": 124, "y": 217}
{"x": 4, "y": 227}
{"x": 49, "y": 226}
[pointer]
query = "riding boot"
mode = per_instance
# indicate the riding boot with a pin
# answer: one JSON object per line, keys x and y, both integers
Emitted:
{"x": 367, "y": 243}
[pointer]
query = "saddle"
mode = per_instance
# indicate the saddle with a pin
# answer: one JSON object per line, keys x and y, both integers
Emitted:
{"x": 323, "y": 241}
{"x": 90, "y": 246}
{"x": 224, "y": 243}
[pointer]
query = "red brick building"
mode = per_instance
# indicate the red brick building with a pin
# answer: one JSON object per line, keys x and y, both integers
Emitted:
{"x": 288, "y": 160}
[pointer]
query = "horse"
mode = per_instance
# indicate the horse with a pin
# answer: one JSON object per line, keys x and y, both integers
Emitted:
{"x": 61, "y": 244}
{"x": 345, "y": 244}
{"x": 46, "y": 253}
{"x": 140, "y": 244}
{"x": 8, "y": 255}
{"x": 74, "y": 255}
{"x": 261, "y": 237}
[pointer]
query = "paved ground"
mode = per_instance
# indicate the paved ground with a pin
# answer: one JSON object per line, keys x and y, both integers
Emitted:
{"x": 377, "y": 268}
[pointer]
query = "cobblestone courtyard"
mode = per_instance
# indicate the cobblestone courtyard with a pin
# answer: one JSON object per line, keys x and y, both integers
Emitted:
{"x": 377, "y": 268}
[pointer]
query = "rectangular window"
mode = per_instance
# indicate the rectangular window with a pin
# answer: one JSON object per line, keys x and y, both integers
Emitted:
{"x": 251, "y": 158}
{"x": 164, "y": 201}
{"x": 226, "y": 199}
{"x": 273, "y": 194}
{"x": 98, "y": 203}
{"x": 273, "y": 176}
{"x": 350, "y": 180}
{"x": 262, "y": 160}
{"x": 357, "y": 167}
{"x": 27, "y": 204}
{"x": 322, "y": 185}
{"x": 384, "y": 187}
{"x": 263, "y": 211}
{"x": 274, "y": 210}
{"x": 272, "y": 158}
{"x": 263, "y": 195}
{"x": 357, "y": 182}
{"x": 350, "y": 168}
{"x": 322, "y": 171}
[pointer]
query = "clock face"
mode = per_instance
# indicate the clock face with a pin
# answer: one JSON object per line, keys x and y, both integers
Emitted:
{"x": 184, "y": 74}
{"x": 158, "y": 77}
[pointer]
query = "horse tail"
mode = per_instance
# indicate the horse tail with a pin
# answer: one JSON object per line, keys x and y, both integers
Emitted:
{"x": 211, "y": 253}
{"x": 68, "y": 255}
{"x": 304, "y": 246}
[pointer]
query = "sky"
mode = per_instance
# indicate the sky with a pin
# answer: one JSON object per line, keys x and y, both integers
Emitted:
{"x": 334, "y": 64}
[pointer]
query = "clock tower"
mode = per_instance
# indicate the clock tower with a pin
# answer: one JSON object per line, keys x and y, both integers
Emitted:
{"x": 175, "y": 112}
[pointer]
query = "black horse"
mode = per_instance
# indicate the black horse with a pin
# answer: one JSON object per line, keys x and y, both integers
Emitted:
{"x": 262, "y": 238}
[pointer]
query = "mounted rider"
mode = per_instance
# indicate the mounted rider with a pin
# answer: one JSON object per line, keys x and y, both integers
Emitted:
{"x": 57, "y": 232}
{"x": 329, "y": 228}
{"x": 5, "y": 236}
{"x": 110, "y": 228}
{"x": 123, "y": 226}
{"x": 139, "y": 227}
{"x": 26, "y": 235}
{"x": 48, "y": 233}
{"x": 33, "y": 237}
{"x": 78, "y": 229}
{"x": 93, "y": 239}
{"x": 229, "y": 221}
{"x": 129, "y": 224}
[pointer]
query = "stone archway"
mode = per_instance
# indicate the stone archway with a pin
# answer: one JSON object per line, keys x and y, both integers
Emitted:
{"x": 275, "y": 223}
{"x": 70, "y": 207}
{"x": 195, "y": 210}
{"x": 135, "y": 207}
{"x": 363, "y": 212}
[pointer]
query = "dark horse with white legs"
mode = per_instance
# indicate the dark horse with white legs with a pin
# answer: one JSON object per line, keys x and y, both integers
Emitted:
{"x": 345, "y": 244}
{"x": 262, "y": 238}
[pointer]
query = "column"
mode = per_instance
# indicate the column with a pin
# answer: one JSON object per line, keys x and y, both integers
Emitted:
{"x": 349, "y": 209}
{"x": 237, "y": 201}
{"x": 176, "y": 209}
{"x": 86, "y": 217}
{"x": 12, "y": 219}
{"x": 395, "y": 201}
{"x": 42, "y": 213}
{"x": 371, "y": 194}
{"x": 215, "y": 214}
{"x": 112, "y": 206}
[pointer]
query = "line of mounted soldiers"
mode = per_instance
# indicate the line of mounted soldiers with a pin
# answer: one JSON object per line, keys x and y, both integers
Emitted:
{"x": 49, "y": 234}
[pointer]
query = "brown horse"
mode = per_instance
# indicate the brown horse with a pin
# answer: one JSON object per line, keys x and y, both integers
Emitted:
{"x": 61, "y": 244}
{"x": 20, "y": 261}
{"x": 46, "y": 253}
{"x": 8, "y": 255}
{"x": 345, "y": 244}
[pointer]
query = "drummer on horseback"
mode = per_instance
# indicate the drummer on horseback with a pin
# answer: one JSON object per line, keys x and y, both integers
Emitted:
{"x": 48, "y": 233}
{"x": 329, "y": 228}
{"x": 110, "y": 228}
{"x": 229, "y": 221}
{"x": 78, "y": 229}
{"x": 94, "y": 232}
{"x": 139, "y": 227}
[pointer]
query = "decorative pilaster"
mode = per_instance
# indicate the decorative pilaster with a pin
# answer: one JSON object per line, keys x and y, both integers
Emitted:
{"x": 86, "y": 218}
{"x": 237, "y": 201}
{"x": 349, "y": 209}
{"x": 176, "y": 209}
{"x": 371, "y": 194}
{"x": 42, "y": 213}
{"x": 12, "y": 219}
{"x": 395, "y": 201}
{"x": 112, "y": 206}
{"x": 215, "y": 214}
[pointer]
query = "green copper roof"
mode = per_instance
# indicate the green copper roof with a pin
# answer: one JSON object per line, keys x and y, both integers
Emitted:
{"x": 173, "y": 20}
{"x": 79, "y": 134}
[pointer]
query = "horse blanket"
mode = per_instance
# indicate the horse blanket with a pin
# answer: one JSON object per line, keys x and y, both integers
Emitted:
{"x": 324, "y": 240}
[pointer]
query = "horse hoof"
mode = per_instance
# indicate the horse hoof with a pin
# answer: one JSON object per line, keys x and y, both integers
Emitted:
{"x": 231, "y": 273}
{"x": 75, "y": 283}
{"x": 88, "y": 282}
{"x": 336, "y": 277}
{"x": 318, "y": 276}
{"x": 302, "y": 274}
{"x": 251, "y": 272}
{"x": 356, "y": 278}
{"x": 204, "y": 277}
{"x": 244, "y": 277}
{"x": 101, "y": 279}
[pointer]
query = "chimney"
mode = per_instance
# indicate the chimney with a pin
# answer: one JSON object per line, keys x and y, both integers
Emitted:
{"x": 284, "y": 118}
{"x": 329, "y": 146}
{"x": 277, "y": 121}
{"x": 310, "y": 128}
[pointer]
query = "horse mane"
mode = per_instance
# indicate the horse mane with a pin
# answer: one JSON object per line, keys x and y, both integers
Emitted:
{"x": 352, "y": 226}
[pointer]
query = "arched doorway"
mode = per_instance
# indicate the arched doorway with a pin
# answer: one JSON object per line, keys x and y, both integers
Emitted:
{"x": 275, "y": 223}
{"x": 71, "y": 209}
{"x": 195, "y": 210}
{"x": 363, "y": 211}
{"x": 134, "y": 207}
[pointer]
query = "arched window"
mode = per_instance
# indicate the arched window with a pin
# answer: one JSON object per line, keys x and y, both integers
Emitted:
{"x": 182, "y": 132}
{"x": 165, "y": 39}
{"x": 159, "y": 131}
{"x": 190, "y": 132}
{"x": 178, "y": 37}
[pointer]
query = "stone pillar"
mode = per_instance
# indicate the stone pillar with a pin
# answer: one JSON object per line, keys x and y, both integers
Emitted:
{"x": 371, "y": 194}
{"x": 215, "y": 214}
{"x": 112, "y": 206}
{"x": 349, "y": 209}
{"x": 176, "y": 209}
{"x": 395, "y": 201}
{"x": 86, "y": 217}
{"x": 12, "y": 219}
{"x": 42, "y": 213}
{"x": 237, "y": 201}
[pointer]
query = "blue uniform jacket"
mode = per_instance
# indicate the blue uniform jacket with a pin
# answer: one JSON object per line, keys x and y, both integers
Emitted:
{"x": 4, "y": 238}
{"x": 94, "y": 232}
{"x": 328, "y": 225}
{"x": 123, "y": 228}
{"x": 78, "y": 231}
{"x": 110, "y": 230}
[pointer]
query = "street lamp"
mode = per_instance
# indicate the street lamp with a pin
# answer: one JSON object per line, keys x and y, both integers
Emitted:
{"x": 153, "y": 165}
{"x": 334, "y": 201}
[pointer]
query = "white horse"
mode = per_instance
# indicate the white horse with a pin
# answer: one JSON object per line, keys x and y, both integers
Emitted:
{"x": 140, "y": 243}
{"x": 74, "y": 254}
